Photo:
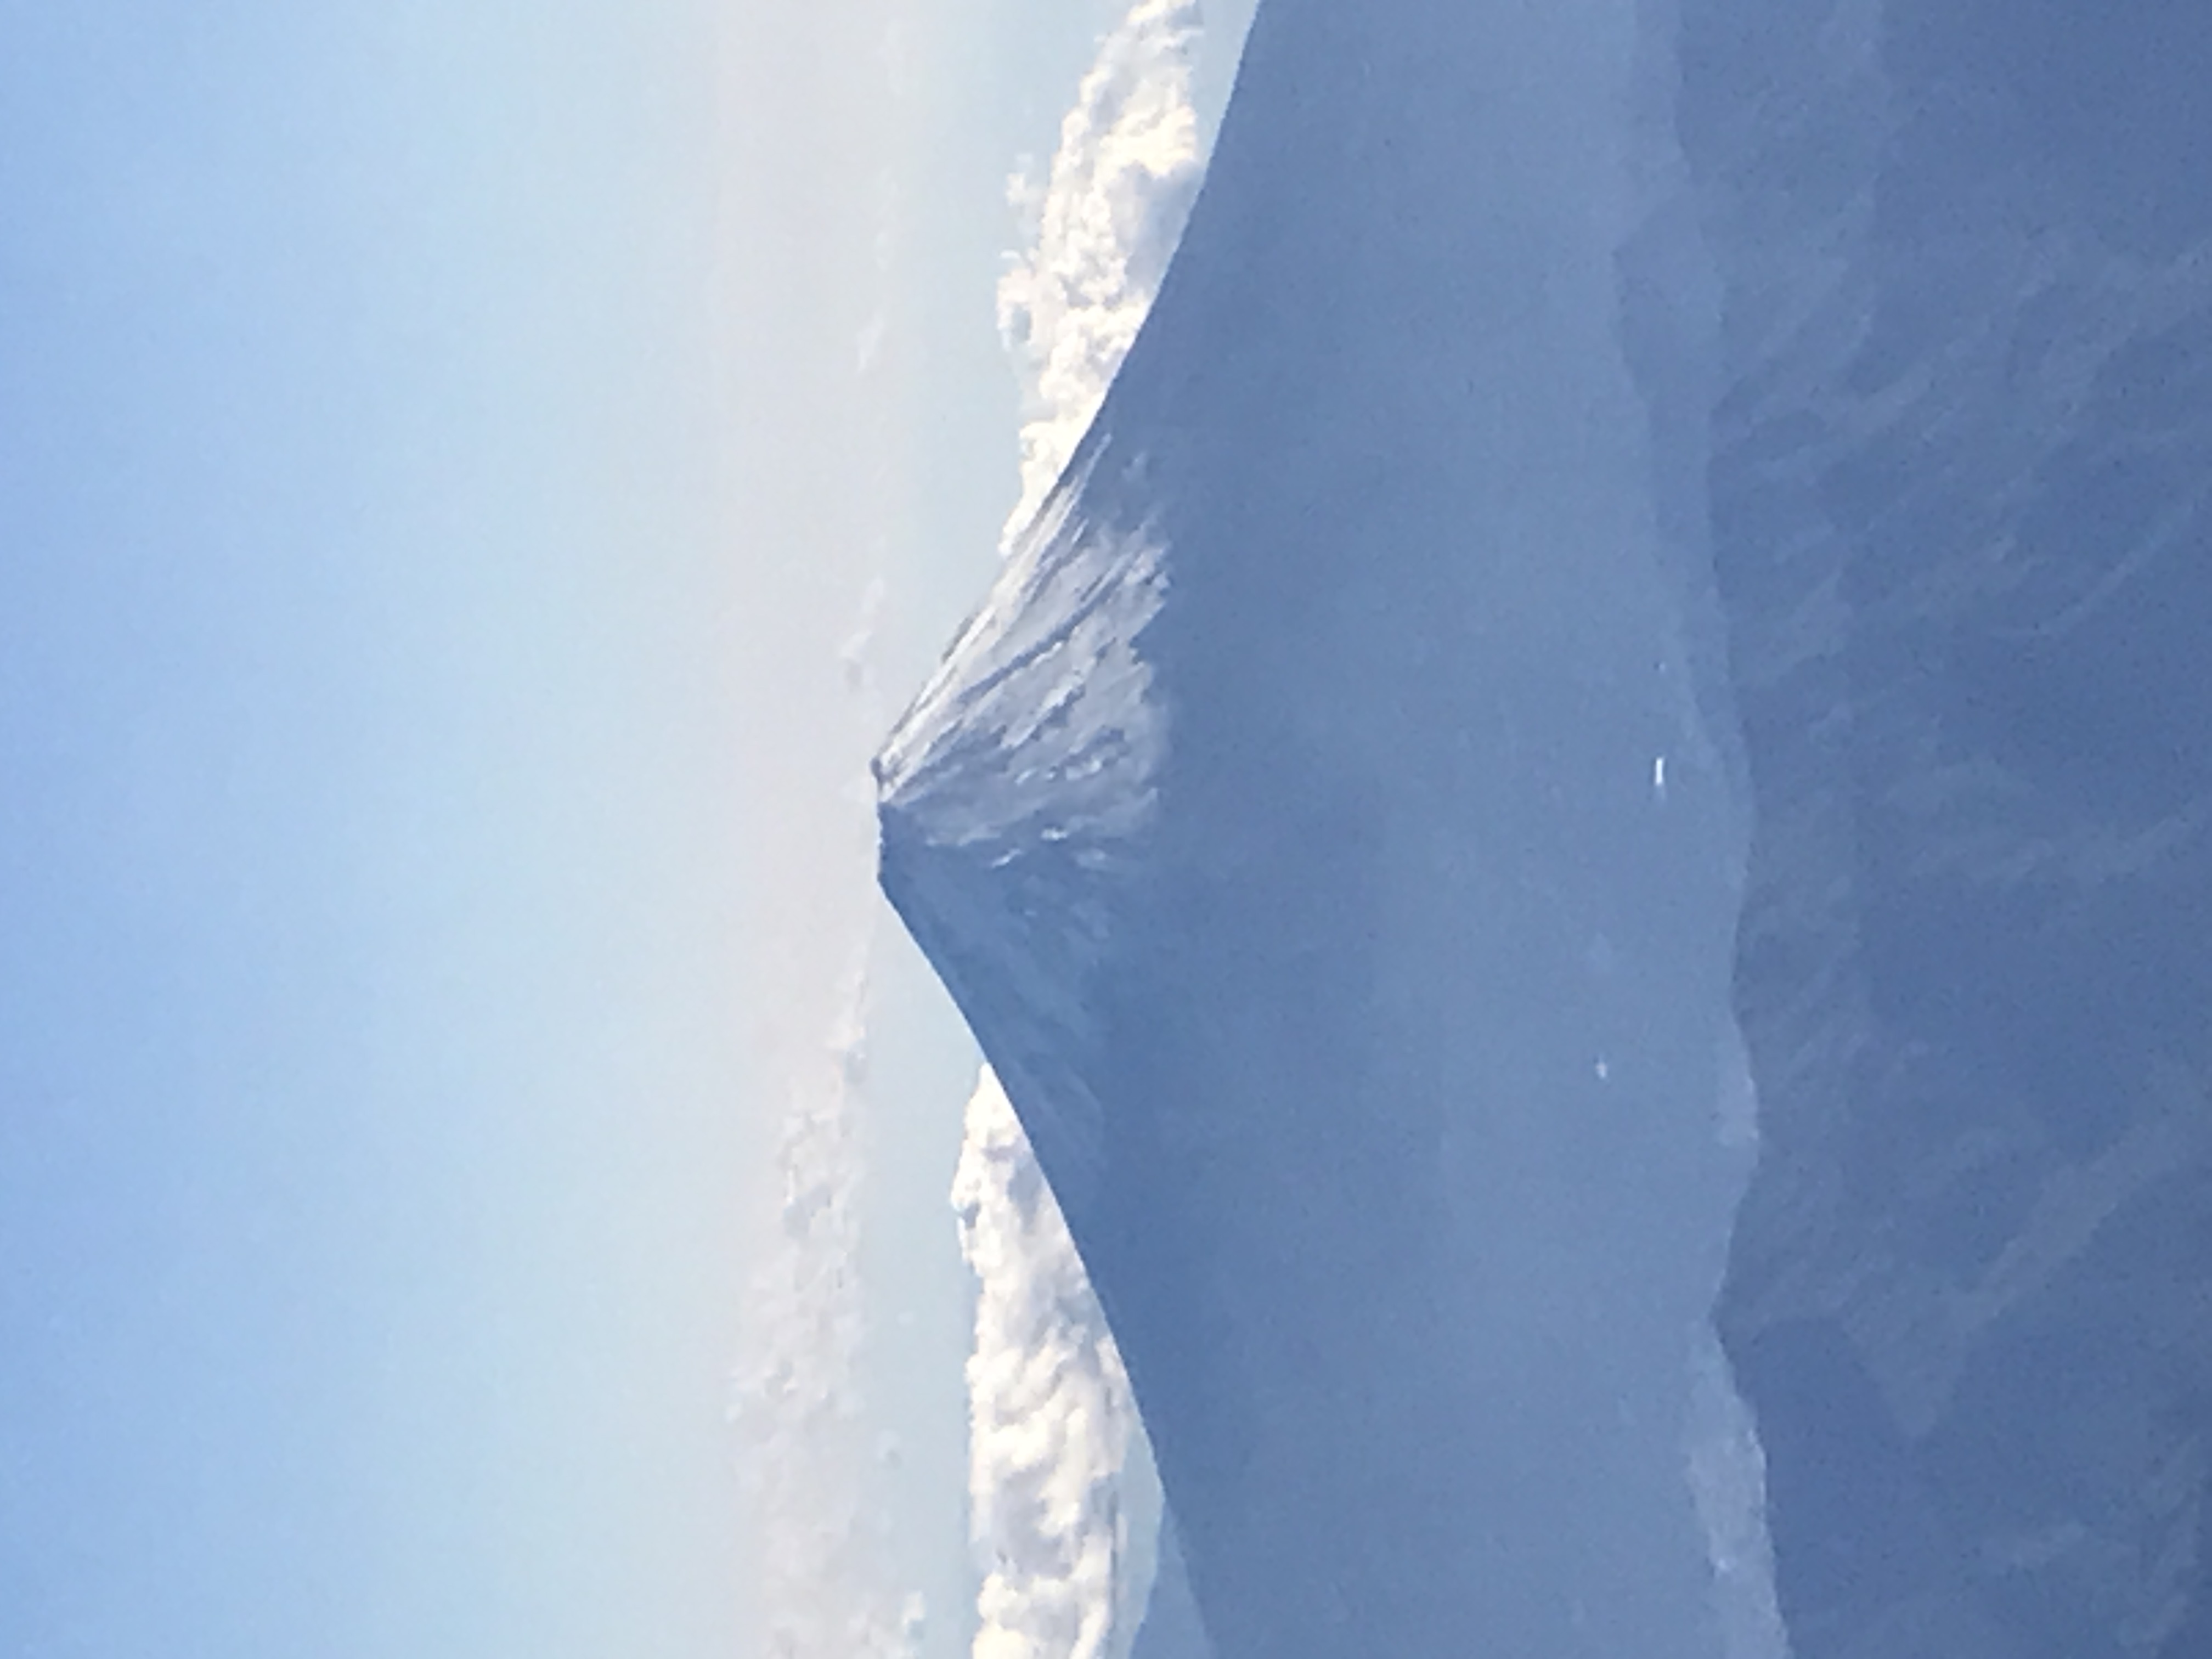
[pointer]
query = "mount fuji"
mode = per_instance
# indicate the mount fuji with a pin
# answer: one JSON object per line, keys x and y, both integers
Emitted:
{"x": 1605, "y": 740}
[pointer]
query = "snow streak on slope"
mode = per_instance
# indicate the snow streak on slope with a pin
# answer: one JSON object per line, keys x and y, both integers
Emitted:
{"x": 1064, "y": 1502}
{"x": 1727, "y": 1464}
{"x": 1728, "y": 1479}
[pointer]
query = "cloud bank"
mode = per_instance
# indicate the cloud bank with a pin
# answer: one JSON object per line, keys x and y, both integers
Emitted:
{"x": 1102, "y": 225}
{"x": 1065, "y": 1504}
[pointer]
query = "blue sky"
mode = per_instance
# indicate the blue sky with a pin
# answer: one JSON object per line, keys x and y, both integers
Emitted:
{"x": 367, "y": 634}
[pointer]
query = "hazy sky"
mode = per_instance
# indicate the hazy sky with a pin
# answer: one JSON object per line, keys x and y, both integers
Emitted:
{"x": 370, "y": 663}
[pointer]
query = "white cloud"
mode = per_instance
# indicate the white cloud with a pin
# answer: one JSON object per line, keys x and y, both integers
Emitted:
{"x": 1065, "y": 1504}
{"x": 1104, "y": 224}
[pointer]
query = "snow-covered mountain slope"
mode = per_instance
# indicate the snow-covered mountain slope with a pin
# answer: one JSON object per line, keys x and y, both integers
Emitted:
{"x": 1319, "y": 828}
